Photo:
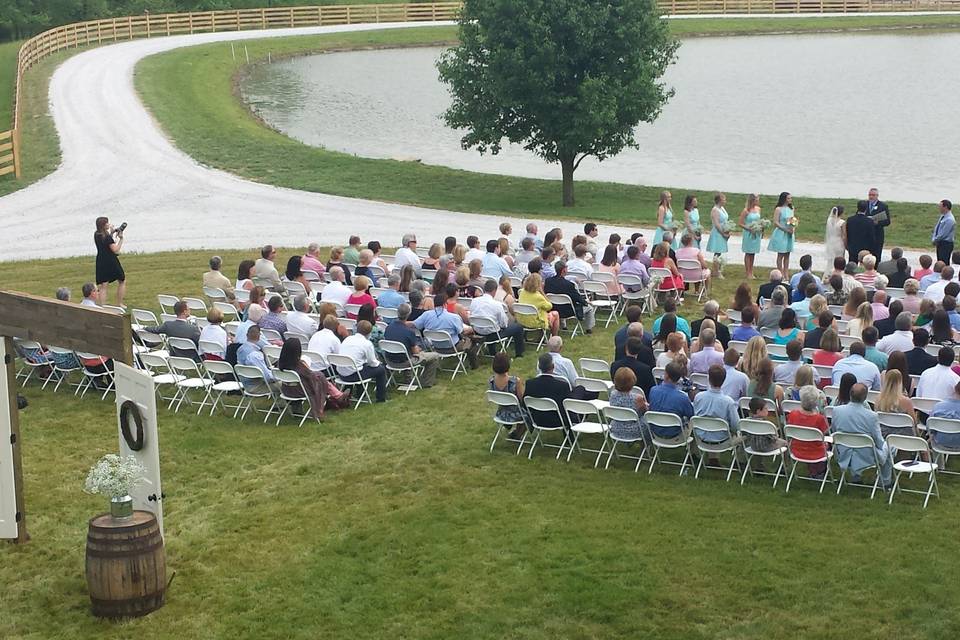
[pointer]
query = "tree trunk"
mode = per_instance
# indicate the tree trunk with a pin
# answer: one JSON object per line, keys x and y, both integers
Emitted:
{"x": 566, "y": 165}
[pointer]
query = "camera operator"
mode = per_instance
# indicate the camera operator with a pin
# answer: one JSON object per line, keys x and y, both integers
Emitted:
{"x": 109, "y": 243}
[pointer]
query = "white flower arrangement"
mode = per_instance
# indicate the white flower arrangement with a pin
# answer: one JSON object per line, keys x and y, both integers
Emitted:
{"x": 114, "y": 476}
{"x": 721, "y": 260}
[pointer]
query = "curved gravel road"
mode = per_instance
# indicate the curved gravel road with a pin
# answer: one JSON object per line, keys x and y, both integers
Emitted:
{"x": 117, "y": 162}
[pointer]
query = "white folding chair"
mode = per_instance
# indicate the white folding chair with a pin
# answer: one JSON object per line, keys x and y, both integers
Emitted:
{"x": 401, "y": 364}
{"x": 255, "y": 388}
{"x": 744, "y": 405}
{"x": 206, "y": 346}
{"x": 634, "y": 292}
{"x": 443, "y": 344}
{"x": 351, "y": 309}
{"x": 303, "y": 339}
{"x": 667, "y": 420}
{"x": 291, "y": 393}
{"x": 503, "y": 399}
{"x": 790, "y": 405}
{"x": 35, "y": 363}
{"x": 806, "y": 434}
{"x": 271, "y": 335}
{"x": 701, "y": 425}
{"x": 349, "y": 324}
{"x": 920, "y": 448}
{"x": 562, "y": 299}
{"x": 228, "y": 310}
{"x": 388, "y": 314}
{"x": 924, "y": 406}
{"x": 183, "y": 347}
{"x": 522, "y": 310}
{"x": 593, "y": 385}
{"x": 337, "y": 360}
{"x": 166, "y": 302}
{"x": 224, "y": 380}
{"x": 777, "y": 350}
{"x": 734, "y": 316}
{"x": 751, "y": 427}
{"x": 623, "y": 414}
{"x": 700, "y": 380}
{"x": 190, "y": 380}
{"x": 545, "y": 405}
{"x": 738, "y": 345}
{"x": 90, "y": 376}
{"x": 144, "y": 318}
{"x": 584, "y": 419}
{"x": 946, "y": 426}
{"x": 294, "y": 289}
{"x": 158, "y": 369}
{"x": 601, "y": 299}
{"x": 856, "y": 441}
{"x": 215, "y": 294}
{"x": 243, "y": 296}
{"x": 688, "y": 268}
{"x": 899, "y": 423}
{"x": 597, "y": 369}
{"x": 488, "y": 330}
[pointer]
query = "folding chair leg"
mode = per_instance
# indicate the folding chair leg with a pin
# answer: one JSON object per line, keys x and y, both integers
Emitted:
{"x": 533, "y": 444}
{"x": 782, "y": 466}
{"x": 696, "y": 475}
{"x": 733, "y": 460}
{"x": 603, "y": 446}
{"x": 826, "y": 476}
{"x": 613, "y": 451}
{"x": 575, "y": 443}
{"x": 495, "y": 436}
{"x": 523, "y": 440}
{"x": 896, "y": 484}
{"x": 793, "y": 471}
{"x": 653, "y": 461}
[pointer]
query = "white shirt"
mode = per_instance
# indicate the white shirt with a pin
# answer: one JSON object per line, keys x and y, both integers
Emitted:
{"x": 736, "y": 383}
{"x": 88, "y": 302}
{"x": 473, "y": 254}
{"x": 324, "y": 342}
{"x": 580, "y": 266}
{"x": 361, "y": 350}
{"x": 487, "y": 307}
{"x": 896, "y": 341}
{"x": 216, "y": 334}
{"x": 937, "y": 382}
{"x": 562, "y": 367}
{"x": 935, "y": 291}
{"x": 406, "y": 256}
{"x": 300, "y": 322}
{"x": 337, "y": 292}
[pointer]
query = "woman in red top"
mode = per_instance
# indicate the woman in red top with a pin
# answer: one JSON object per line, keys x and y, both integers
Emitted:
{"x": 829, "y": 352}
{"x": 360, "y": 295}
{"x": 809, "y": 415}
{"x": 661, "y": 259}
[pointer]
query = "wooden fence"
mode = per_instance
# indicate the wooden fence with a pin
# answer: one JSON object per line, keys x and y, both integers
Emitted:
{"x": 95, "y": 32}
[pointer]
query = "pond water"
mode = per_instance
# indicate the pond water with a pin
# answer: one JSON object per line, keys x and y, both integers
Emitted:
{"x": 818, "y": 115}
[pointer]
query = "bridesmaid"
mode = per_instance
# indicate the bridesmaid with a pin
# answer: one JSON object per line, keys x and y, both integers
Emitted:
{"x": 691, "y": 219}
{"x": 718, "y": 237}
{"x": 781, "y": 240}
{"x": 665, "y": 220}
{"x": 751, "y": 241}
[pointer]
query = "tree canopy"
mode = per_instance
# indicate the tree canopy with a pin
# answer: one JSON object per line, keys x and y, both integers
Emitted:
{"x": 566, "y": 79}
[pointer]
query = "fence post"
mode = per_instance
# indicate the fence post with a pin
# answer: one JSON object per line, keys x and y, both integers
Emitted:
{"x": 263, "y": 18}
{"x": 291, "y": 16}
{"x": 15, "y": 139}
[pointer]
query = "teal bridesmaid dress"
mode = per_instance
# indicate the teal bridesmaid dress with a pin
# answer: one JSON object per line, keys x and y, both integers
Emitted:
{"x": 717, "y": 243}
{"x": 751, "y": 241}
{"x": 780, "y": 240}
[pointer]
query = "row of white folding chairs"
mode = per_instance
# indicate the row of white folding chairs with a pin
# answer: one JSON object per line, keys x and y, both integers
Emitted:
{"x": 60, "y": 370}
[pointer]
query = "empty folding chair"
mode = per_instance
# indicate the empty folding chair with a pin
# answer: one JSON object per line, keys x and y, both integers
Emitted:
{"x": 614, "y": 415}
{"x": 190, "y": 380}
{"x": 597, "y": 369}
{"x": 634, "y": 293}
{"x": 593, "y": 385}
{"x": 806, "y": 434}
{"x": 166, "y": 302}
{"x": 714, "y": 428}
{"x": 945, "y": 427}
{"x": 255, "y": 388}
{"x": 144, "y": 318}
{"x": 738, "y": 345}
{"x": 152, "y": 342}
{"x": 919, "y": 447}
{"x": 601, "y": 299}
{"x": 292, "y": 392}
{"x": 539, "y": 426}
{"x": 521, "y": 310}
{"x": 856, "y": 441}
{"x": 224, "y": 381}
{"x": 584, "y": 418}
{"x": 271, "y": 353}
{"x": 398, "y": 362}
{"x": 183, "y": 348}
{"x": 228, "y": 310}
{"x": 337, "y": 361}
{"x": 96, "y": 374}
{"x": 899, "y": 423}
{"x": 272, "y": 336}
{"x": 304, "y": 340}
{"x": 756, "y": 431}
{"x": 508, "y": 415}
{"x": 443, "y": 344}
{"x": 667, "y": 421}
{"x": 563, "y": 300}
{"x": 162, "y": 376}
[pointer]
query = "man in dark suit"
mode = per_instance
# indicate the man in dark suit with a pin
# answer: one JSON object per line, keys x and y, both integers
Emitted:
{"x": 886, "y": 326}
{"x": 918, "y": 360}
{"x": 645, "y": 353}
{"x": 546, "y": 385}
{"x": 766, "y": 289}
{"x": 879, "y": 214}
{"x": 860, "y": 233}
{"x": 634, "y": 314}
{"x": 581, "y": 308}
{"x": 812, "y": 339}
{"x": 644, "y": 373}
{"x": 711, "y": 311}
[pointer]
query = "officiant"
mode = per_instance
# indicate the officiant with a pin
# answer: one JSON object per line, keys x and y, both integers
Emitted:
{"x": 879, "y": 214}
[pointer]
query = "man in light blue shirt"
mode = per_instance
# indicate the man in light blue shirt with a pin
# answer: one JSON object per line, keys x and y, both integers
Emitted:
{"x": 391, "y": 298}
{"x": 865, "y": 371}
{"x": 251, "y": 355}
{"x": 493, "y": 265}
{"x": 806, "y": 264}
{"x": 666, "y": 397}
{"x": 857, "y": 417}
{"x": 439, "y": 319}
{"x": 802, "y": 307}
{"x": 943, "y": 233}
{"x": 932, "y": 278}
{"x": 714, "y": 403}
{"x": 736, "y": 382}
{"x": 562, "y": 366}
{"x": 948, "y": 408}
{"x": 532, "y": 234}
{"x": 870, "y": 338}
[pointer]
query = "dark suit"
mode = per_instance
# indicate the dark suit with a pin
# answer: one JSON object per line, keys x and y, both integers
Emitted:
{"x": 643, "y": 372}
{"x": 898, "y": 279}
{"x": 885, "y": 327}
{"x": 919, "y": 361}
{"x": 860, "y": 236}
{"x": 620, "y": 339}
{"x": 812, "y": 338}
{"x": 766, "y": 290}
{"x": 548, "y": 386}
{"x": 558, "y": 284}
{"x": 875, "y": 211}
{"x": 723, "y": 333}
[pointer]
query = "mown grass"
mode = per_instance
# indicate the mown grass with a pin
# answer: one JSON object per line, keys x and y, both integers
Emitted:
{"x": 395, "y": 521}
{"x": 8, "y": 74}
{"x": 192, "y": 94}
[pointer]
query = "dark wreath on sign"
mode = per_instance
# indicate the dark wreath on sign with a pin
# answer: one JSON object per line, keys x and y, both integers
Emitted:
{"x": 128, "y": 410}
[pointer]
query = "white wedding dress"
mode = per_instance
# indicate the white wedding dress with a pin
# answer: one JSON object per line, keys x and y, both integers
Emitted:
{"x": 833, "y": 242}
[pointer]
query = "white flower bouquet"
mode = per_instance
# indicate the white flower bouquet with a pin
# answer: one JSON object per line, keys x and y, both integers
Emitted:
{"x": 114, "y": 476}
{"x": 759, "y": 226}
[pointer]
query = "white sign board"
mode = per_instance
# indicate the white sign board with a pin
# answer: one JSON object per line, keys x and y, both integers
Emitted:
{"x": 137, "y": 426}
{"x": 8, "y": 494}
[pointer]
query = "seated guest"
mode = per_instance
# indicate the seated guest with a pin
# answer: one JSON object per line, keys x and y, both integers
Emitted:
{"x": 753, "y": 355}
{"x": 474, "y": 252}
{"x": 708, "y": 355}
{"x": 265, "y": 269}
{"x": 675, "y": 348}
{"x": 417, "y": 304}
{"x": 804, "y": 376}
{"x": 697, "y": 344}
{"x": 736, "y": 382}
{"x": 547, "y": 385}
{"x": 361, "y": 294}
{"x": 401, "y": 331}
{"x": 869, "y": 274}
{"x": 487, "y": 307}
{"x": 857, "y": 417}
{"x": 836, "y": 295}
{"x": 711, "y": 311}
{"x": 714, "y": 403}
{"x": 213, "y": 333}
{"x": 351, "y": 254}
{"x": 668, "y": 398}
{"x": 634, "y": 314}
{"x": 765, "y": 292}
{"x": 888, "y": 325}
{"x": 336, "y": 291}
{"x": 311, "y": 259}
{"x": 661, "y": 259}
{"x": 360, "y": 349}
{"x": 375, "y": 247}
{"x": 528, "y": 251}
{"x": 925, "y": 317}
{"x": 948, "y": 407}
{"x": 244, "y": 276}
{"x": 504, "y": 293}
{"x": 475, "y": 280}
{"x": 632, "y": 265}
{"x": 364, "y": 262}
{"x": 936, "y": 290}
{"x": 562, "y": 366}
{"x": 609, "y": 264}
{"x": 940, "y": 330}
{"x": 939, "y": 381}
{"x": 865, "y": 371}
{"x": 635, "y": 330}
{"x": 862, "y": 319}
{"x": 294, "y": 272}
{"x": 899, "y": 277}
{"x": 743, "y": 299}
{"x": 441, "y": 319}
{"x": 502, "y": 381}
{"x": 532, "y": 294}
{"x": 762, "y": 384}
{"x": 432, "y": 261}
{"x": 949, "y": 305}
{"x": 810, "y": 414}
{"x": 579, "y": 266}
{"x": 391, "y": 298}
{"x": 89, "y": 291}
{"x": 787, "y": 329}
{"x": 642, "y": 371}
{"x": 926, "y": 264}
{"x": 902, "y": 339}
{"x": 492, "y": 264}
{"x": 299, "y": 319}
{"x": 932, "y": 277}
{"x": 849, "y": 281}
{"x": 670, "y": 308}
{"x": 63, "y": 294}
{"x": 829, "y": 353}
{"x": 894, "y": 399}
{"x": 760, "y": 411}
{"x": 214, "y": 279}
{"x": 180, "y": 327}
{"x": 255, "y": 315}
{"x": 889, "y": 267}
{"x": 746, "y": 330}
{"x": 326, "y": 341}
{"x": 786, "y": 372}
{"x": 802, "y": 307}
{"x": 407, "y": 255}
{"x": 273, "y": 319}
{"x": 318, "y": 389}
{"x": 250, "y": 354}
{"x": 689, "y": 251}
{"x": 879, "y": 306}
{"x": 581, "y": 309}
{"x": 812, "y": 338}
{"x": 839, "y": 265}
{"x": 918, "y": 360}
{"x": 770, "y": 317}
{"x": 806, "y": 264}
{"x": 870, "y": 337}
{"x": 368, "y": 313}
{"x": 625, "y": 394}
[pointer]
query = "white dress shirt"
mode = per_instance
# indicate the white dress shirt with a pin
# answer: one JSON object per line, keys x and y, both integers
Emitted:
{"x": 88, "y": 302}
{"x": 300, "y": 322}
{"x": 361, "y": 350}
{"x": 487, "y": 307}
{"x": 216, "y": 334}
{"x": 324, "y": 342}
{"x": 337, "y": 292}
{"x": 937, "y": 382}
{"x": 580, "y": 267}
{"x": 473, "y": 254}
{"x": 406, "y": 256}
{"x": 896, "y": 341}
{"x": 562, "y": 367}
{"x": 935, "y": 291}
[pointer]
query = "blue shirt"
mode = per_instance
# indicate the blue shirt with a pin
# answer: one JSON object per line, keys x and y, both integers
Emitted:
{"x": 865, "y": 371}
{"x": 954, "y": 319}
{"x": 857, "y": 417}
{"x": 441, "y": 320}
{"x": 682, "y": 326}
{"x": 928, "y": 280}
{"x": 877, "y": 357}
{"x": 249, "y": 354}
{"x": 714, "y": 403}
{"x": 667, "y": 398}
{"x": 494, "y": 266}
{"x": 390, "y": 299}
{"x": 802, "y": 308}
{"x": 946, "y": 225}
{"x": 744, "y": 332}
{"x": 736, "y": 383}
{"x": 795, "y": 280}
{"x": 946, "y": 409}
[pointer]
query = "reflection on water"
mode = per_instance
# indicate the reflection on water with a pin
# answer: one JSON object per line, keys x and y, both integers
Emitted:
{"x": 817, "y": 115}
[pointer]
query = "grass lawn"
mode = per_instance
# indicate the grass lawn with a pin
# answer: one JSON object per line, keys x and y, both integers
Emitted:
{"x": 395, "y": 521}
{"x": 192, "y": 94}
{"x": 8, "y": 74}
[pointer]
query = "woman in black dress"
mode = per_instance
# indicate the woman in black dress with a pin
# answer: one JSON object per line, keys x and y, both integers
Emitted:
{"x": 108, "y": 261}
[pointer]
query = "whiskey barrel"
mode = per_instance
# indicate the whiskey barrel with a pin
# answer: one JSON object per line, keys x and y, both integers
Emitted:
{"x": 126, "y": 570}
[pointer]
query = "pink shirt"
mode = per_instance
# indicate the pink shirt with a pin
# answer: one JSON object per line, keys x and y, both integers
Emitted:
{"x": 312, "y": 264}
{"x": 921, "y": 273}
{"x": 690, "y": 253}
{"x": 880, "y": 312}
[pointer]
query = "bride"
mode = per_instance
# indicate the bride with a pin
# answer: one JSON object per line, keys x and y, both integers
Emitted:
{"x": 836, "y": 235}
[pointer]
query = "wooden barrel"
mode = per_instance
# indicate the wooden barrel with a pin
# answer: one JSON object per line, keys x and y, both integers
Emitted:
{"x": 126, "y": 570}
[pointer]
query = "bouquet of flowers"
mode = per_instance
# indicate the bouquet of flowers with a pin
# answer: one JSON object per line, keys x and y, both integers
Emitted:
{"x": 793, "y": 221}
{"x": 720, "y": 259}
{"x": 114, "y": 476}
{"x": 759, "y": 226}
{"x": 726, "y": 227}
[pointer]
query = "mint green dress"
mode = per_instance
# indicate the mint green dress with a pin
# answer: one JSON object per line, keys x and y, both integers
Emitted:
{"x": 717, "y": 243}
{"x": 695, "y": 223}
{"x": 780, "y": 240}
{"x": 751, "y": 241}
{"x": 658, "y": 235}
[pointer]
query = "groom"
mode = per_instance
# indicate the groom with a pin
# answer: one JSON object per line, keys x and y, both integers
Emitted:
{"x": 879, "y": 214}
{"x": 860, "y": 232}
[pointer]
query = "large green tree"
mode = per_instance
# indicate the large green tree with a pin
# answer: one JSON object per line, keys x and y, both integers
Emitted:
{"x": 567, "y": 79}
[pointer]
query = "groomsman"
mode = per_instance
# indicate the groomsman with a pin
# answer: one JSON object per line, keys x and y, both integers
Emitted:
{"x": 943, "y": 233}
{"x": 878, "y": 212}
